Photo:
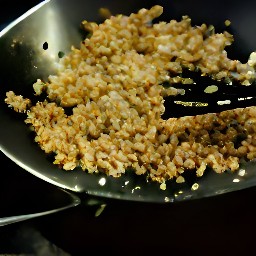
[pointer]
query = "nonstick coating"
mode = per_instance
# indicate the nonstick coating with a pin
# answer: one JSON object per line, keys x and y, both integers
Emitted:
{"x": 23, "y": 60}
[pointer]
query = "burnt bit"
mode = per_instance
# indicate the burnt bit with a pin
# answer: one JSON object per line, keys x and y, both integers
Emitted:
{"x": 61, "y": 54}
{"x": 45, "y": 46}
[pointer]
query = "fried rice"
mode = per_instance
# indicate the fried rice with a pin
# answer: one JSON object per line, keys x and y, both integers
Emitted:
{"x": 114, "y": 84}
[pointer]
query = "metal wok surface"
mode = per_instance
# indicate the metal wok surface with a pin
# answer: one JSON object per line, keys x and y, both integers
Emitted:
{"x": 23, "y": 60}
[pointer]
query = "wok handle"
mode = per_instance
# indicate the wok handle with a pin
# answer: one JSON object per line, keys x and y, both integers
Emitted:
{"x": 13, "y": 219}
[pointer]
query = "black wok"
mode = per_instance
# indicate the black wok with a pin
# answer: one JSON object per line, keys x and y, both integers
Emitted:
{"x": 57, "y": 23}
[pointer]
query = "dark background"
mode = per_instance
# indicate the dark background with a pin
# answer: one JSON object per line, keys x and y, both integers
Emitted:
{"x": 220, "y": 225}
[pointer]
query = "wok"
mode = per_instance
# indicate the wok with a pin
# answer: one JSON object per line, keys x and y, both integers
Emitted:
{"x": 57, "y": 23}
